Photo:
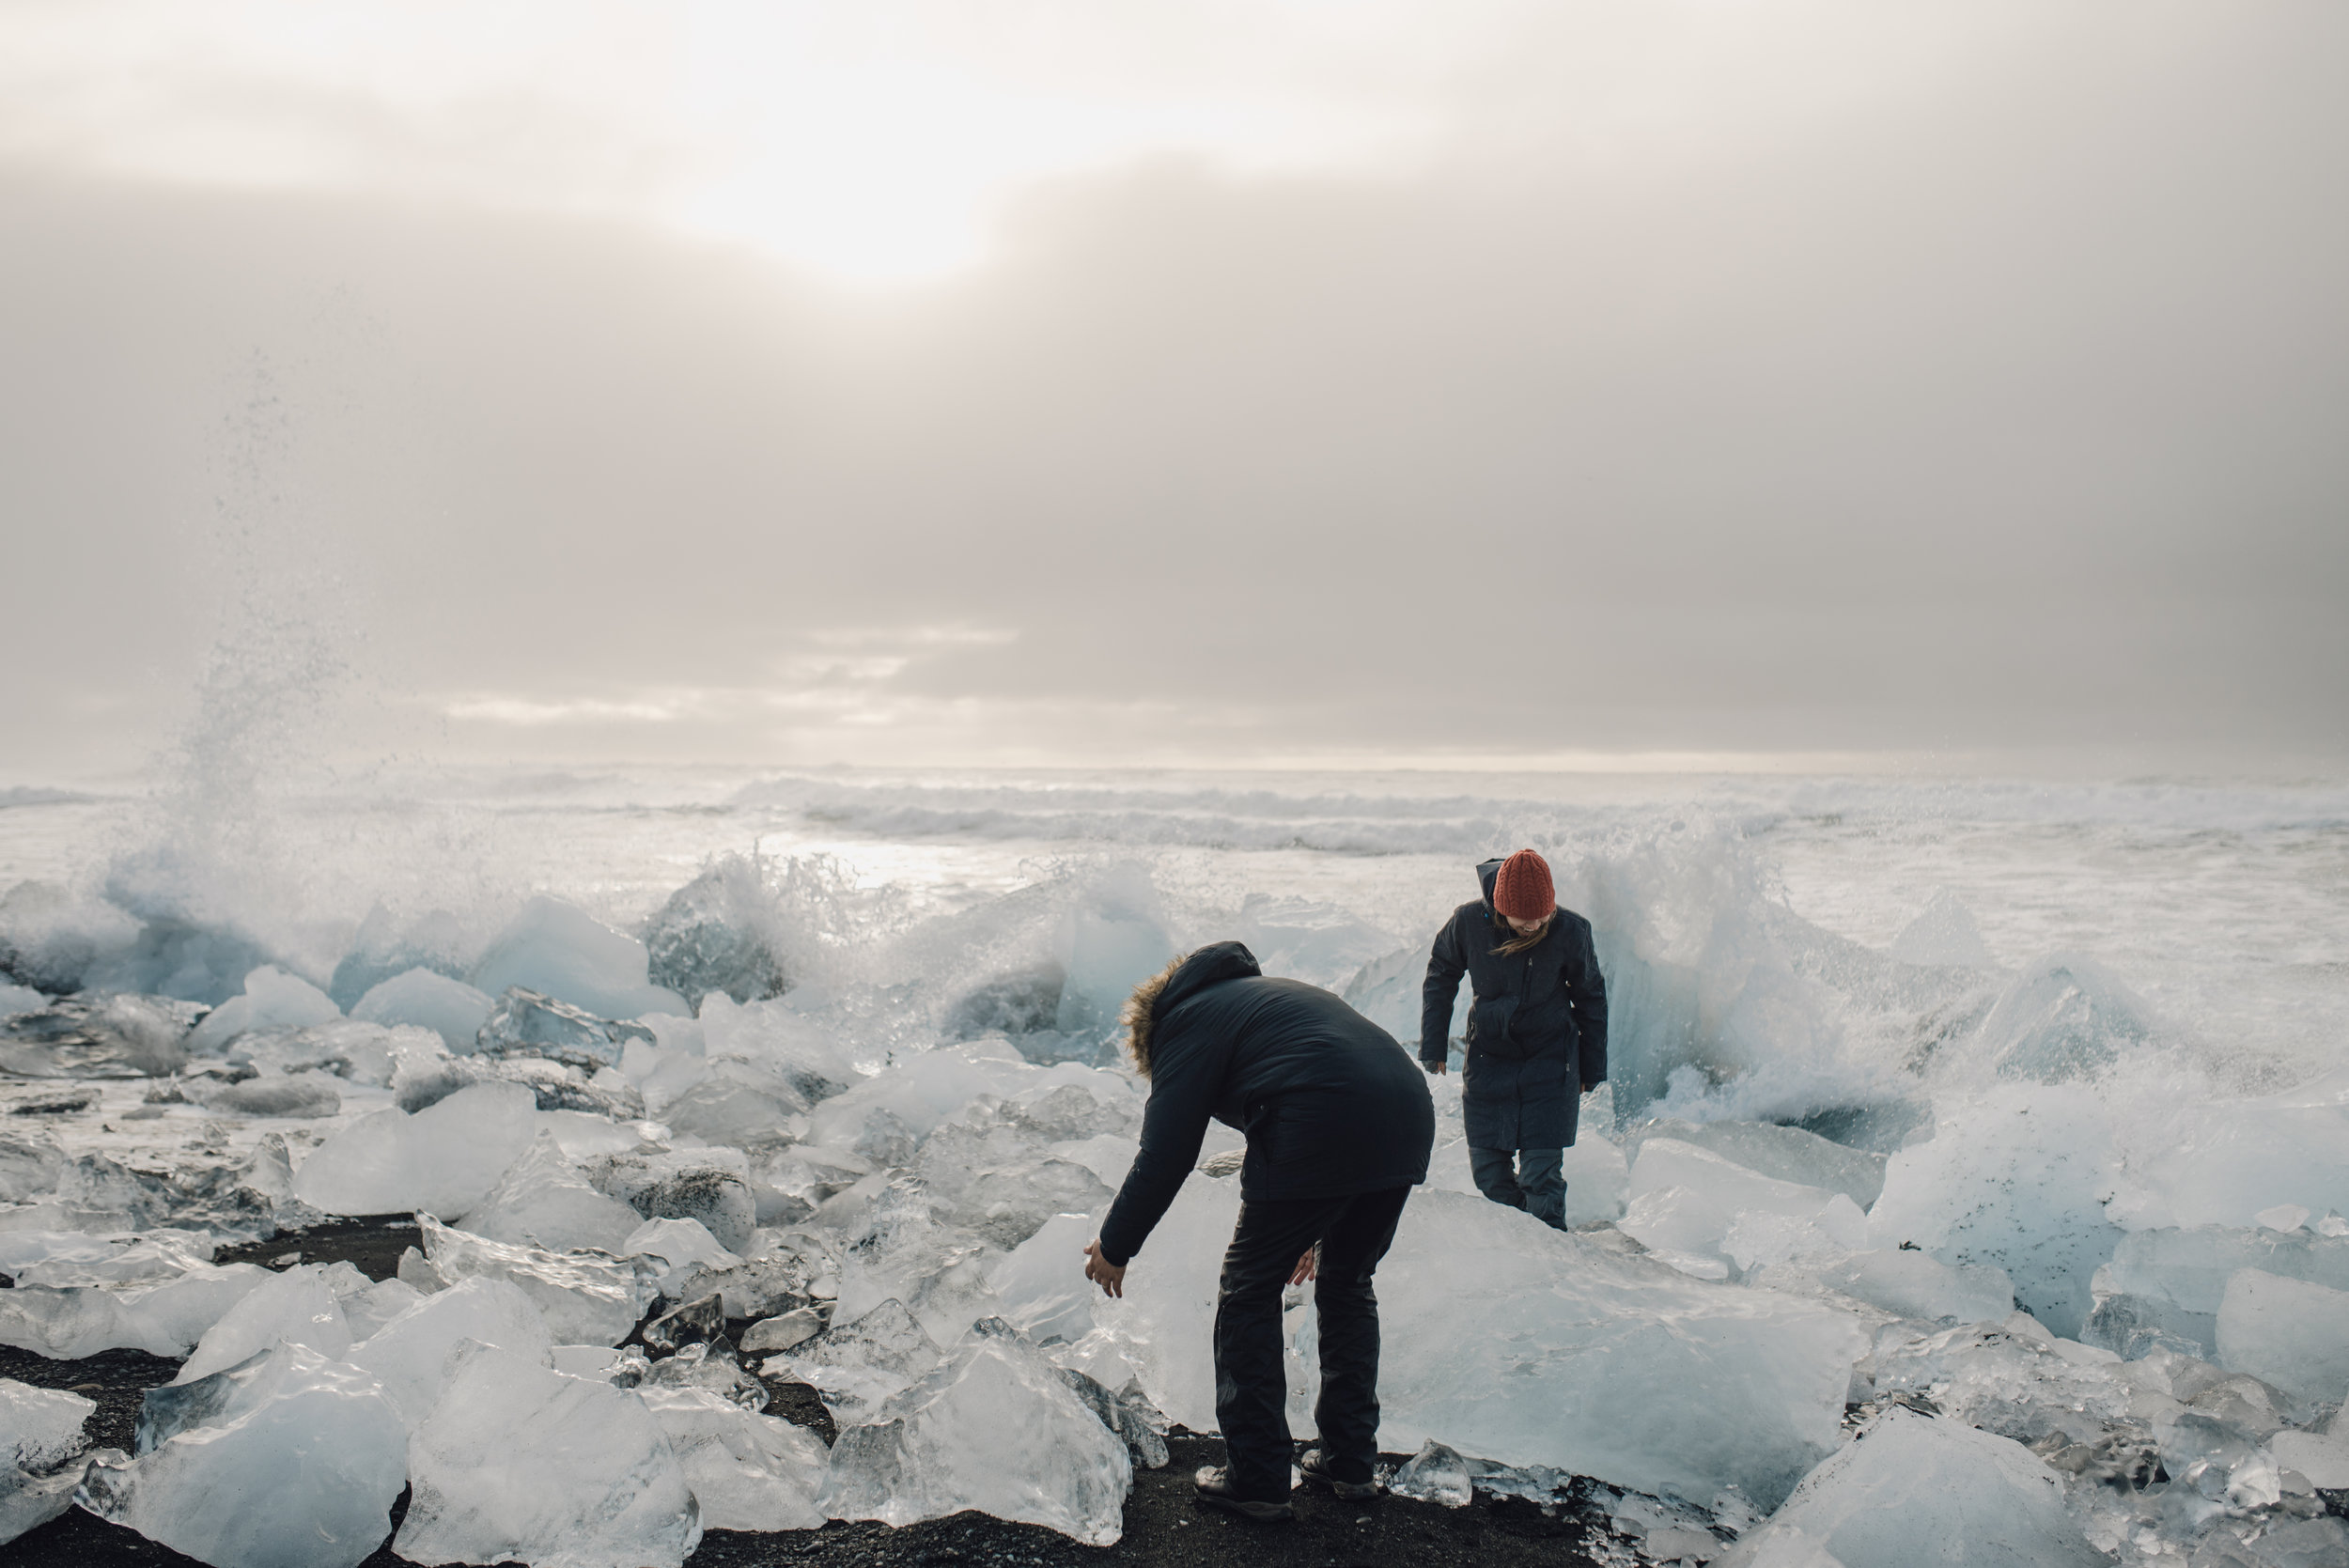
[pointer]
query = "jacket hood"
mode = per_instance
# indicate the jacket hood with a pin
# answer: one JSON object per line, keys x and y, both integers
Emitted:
{"x": 1487, "y": 872}
{"x": 1212, "y": 965}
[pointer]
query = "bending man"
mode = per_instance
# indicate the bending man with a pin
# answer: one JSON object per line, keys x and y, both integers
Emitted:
{"x": 1339, "y": 1126}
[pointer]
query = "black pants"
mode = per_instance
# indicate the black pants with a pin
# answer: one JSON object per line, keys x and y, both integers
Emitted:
{"x": 1251, "y": 1393}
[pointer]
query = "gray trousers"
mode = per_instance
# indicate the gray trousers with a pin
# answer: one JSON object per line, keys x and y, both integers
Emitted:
{"x": 1536, "y": 1184}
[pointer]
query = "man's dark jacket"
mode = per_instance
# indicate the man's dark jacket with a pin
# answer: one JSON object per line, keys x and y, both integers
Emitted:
{"x": 1331, "y": 1104}
{"x": 1536, "y": 1027}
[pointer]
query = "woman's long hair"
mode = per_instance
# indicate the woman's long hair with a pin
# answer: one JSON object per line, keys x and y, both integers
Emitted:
{"x": 1513, "y": 944}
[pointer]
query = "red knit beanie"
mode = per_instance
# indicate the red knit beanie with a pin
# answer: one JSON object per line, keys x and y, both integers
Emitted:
{"x": 1523, "y": 891}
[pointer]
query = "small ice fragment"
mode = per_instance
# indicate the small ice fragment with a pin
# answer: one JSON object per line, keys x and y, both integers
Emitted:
{"x": 543, "y": 1201}
{"x": 693, "y": 1322}
{"x": 677, "y": 1243}
{"x": 859, "y": 1364}
{"x": 789, "y": 1331}
{"x": 2283, "y": 1216}
{"x": 442, "y": 1160}
{"x": 528, "y": 1023}
{"x": 586, "y": 1298}
{"x": 1435, "y": 1474}
{"x": 711, "y": 1185}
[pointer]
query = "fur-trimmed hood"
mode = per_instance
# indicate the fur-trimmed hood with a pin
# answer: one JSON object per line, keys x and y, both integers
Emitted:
{"x": 1176, "y": 983}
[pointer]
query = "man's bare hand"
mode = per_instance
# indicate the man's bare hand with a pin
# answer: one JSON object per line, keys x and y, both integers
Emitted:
{"x": 1110, "y": 1276}
{"x": 1435, "y": 1068}
{"x": 1306, "y": 1267}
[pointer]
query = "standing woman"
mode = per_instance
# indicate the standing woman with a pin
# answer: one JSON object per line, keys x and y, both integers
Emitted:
{"x": 1536, "y": 1030}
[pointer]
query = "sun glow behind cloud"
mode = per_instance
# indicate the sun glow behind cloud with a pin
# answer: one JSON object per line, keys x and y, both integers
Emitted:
{"x": 871, "y": 141}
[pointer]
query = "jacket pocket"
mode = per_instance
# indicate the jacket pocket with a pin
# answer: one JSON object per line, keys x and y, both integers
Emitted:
{"x": 1488, "y": 1023}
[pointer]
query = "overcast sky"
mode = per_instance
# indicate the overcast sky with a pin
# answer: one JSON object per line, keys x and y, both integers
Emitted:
{"x": 1186, "y": 381}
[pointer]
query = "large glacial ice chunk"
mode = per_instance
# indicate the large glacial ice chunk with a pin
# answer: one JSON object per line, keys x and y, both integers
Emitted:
{"x": 720, "y": 933}
{"x": 748, "y": 1471}
{"x": 1782, "y": 1154}
{"x": 450, "y": 1008}
{"x": 996, "y": 1429}
{"x": 40, "y": 1428}
{"x": 297, "y": 1466}
{"x": 521, "y": 1462}
{"x": 1685, "y": 1198}
{"x": 542, "y": 1200}
{"x": 40, "y": 1439}
{"x": 2170, "y": 1281}
{"x": 2196, "y": 1161}
{"x": 1914, "y": 1285}
{"x": 858, "y": 1364}
{"x": 586, "y": 1298}
{"x": 410, "y": 1354}
{"x": 2015, "y": 1178}
{"x": 440, "y": 1160}
{"x": 296, "y": 1306}
{"x": 165, "y": 1319}
{"x": 2291, "y": 1333}
{"x": 1042, "y": 1285}
{"x": 1531, "y": 1346}
{"x": 1913, "y": 1492}
{"x": 2067, "y": 1018}
{"x": 1943, "y": 934}
{"x": 561, "y": 950}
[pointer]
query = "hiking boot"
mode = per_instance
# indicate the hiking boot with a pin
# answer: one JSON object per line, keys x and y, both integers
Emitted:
{"x": 1314, "y": 1464}
{"x": 1215, "y": 1489}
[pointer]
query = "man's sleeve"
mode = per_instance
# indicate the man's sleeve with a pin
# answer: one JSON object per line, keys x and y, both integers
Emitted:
{"x": 1586, "y": 990}
{"x": 1174, "y": 1124}
{"x": 1444, "y": 968}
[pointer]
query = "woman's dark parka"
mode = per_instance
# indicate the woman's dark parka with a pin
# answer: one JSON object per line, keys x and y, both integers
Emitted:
{"x": 1536, "y": 1027}
{"x": 1332, "y": 1105}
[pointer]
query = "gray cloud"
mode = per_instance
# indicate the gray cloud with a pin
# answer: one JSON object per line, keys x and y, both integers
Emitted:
{"x": 2007, "y": 417}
